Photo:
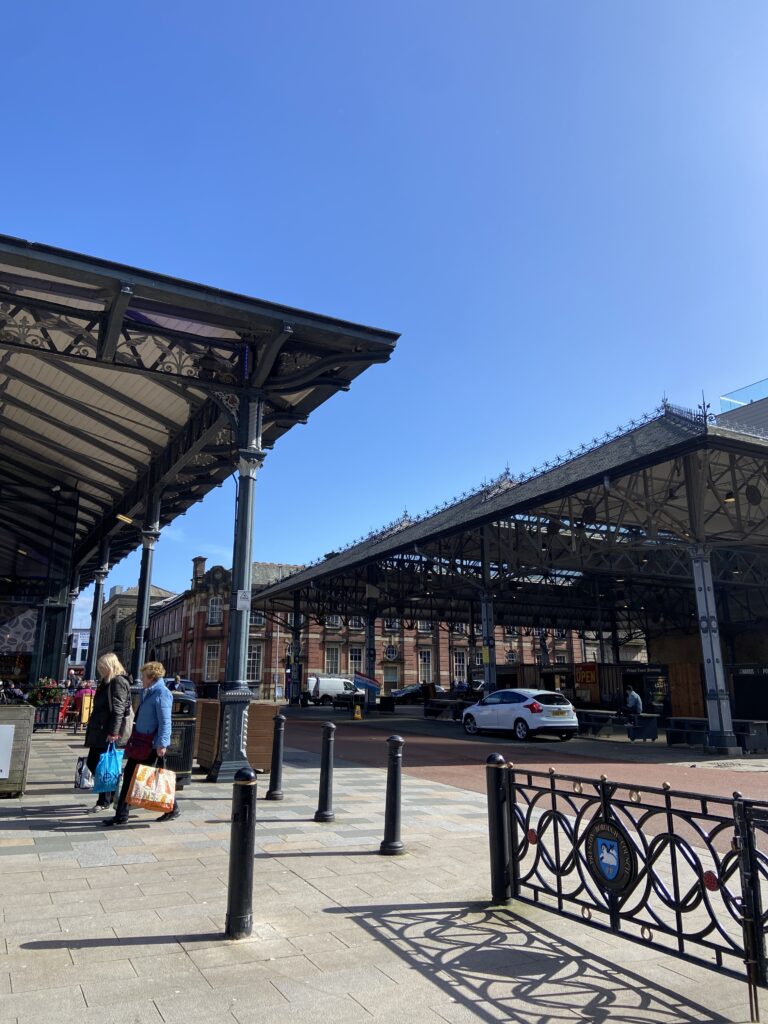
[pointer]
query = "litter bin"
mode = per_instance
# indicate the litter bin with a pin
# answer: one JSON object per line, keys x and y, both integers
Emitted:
{"x": 179, "y": 756}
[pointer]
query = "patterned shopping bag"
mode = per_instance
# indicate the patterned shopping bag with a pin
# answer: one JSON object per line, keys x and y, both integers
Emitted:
{"x": 152, "y": 788}
{"x": 83, "y": 777}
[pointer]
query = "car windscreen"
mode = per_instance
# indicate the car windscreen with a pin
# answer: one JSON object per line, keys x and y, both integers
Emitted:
{"x": 551, "y": 698}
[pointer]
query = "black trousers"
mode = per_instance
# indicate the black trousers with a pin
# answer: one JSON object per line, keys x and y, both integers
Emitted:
{"x": 94, "y": 753}
{"x": 129, "y": 767}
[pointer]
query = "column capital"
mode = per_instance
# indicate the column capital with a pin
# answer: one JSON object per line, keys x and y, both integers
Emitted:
{"x": 149, "y": 538}
{"x": 250, "y": 461}
{"x": 101, "y": 574}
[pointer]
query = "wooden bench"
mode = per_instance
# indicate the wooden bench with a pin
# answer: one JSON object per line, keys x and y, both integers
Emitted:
{"x": 751, "y": 734}
{"x": 638, "y": 727}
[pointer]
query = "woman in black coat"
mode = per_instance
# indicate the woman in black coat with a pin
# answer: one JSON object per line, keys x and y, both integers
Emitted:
{"x": 110, "y": 704}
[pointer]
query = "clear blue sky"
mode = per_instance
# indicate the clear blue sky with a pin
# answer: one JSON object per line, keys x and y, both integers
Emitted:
{"x": 562, "y": 207}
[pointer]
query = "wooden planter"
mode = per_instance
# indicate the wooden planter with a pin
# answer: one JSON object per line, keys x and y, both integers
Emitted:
{"x": 260, "y": 732}
{"x": 21, "y": 718}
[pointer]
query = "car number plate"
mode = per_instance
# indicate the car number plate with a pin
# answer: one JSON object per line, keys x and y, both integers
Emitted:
{"x": 559, "y": 712}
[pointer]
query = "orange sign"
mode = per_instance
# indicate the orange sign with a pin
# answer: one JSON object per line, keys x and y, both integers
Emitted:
{"x": 586, "y": 674}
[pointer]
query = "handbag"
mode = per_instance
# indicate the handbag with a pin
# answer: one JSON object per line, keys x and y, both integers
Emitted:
{"x": 153, "y": 788}
{"x": 125, "y": 728}
{"x": 139, "y": 746}
{"x": 83, "y": 776}
{"x": 106, "y": 778}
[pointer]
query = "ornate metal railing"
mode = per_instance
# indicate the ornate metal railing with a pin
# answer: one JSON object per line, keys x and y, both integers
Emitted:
{"x": 684, "y": 873}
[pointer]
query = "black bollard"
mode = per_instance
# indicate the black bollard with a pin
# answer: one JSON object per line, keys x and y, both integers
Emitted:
{"x": 392, "y": 844}
{"x": 275, "y": 791}
{"x": 242, "y": 843}
{"x": 498, "y": 831}
{"x": 324, "y": 810}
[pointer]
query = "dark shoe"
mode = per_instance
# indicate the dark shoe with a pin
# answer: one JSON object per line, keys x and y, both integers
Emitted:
{"x": 171, "y": 815}
{"x": 117, "y": 820}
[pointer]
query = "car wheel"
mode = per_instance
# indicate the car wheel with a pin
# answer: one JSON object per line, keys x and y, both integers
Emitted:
{"x": 470, "y": 725}
{"x": 522, "y": 732}
{"x": 327, "y": 701}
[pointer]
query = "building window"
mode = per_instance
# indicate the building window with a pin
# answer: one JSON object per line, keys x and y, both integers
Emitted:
{"x": 478, "y": 656}
{"x": 258, "y": 618}
{"x": 424, "y": 626}
{"x": 511, "y": 657}
{"x": 539, "y": 660}
{"x": 291, "y": 618}
{"x": 255, "y": 659}
{"x": 212, "y": 655}
{"x": 459, "y": 627}
{"x": 460, "y": 666}
{"x": 355, "y": 660}
{"x": 391, "y": 675}
{"x": 559, "y": 659}
{"x": 425, "y": 665}
{"x": 356, "y": 622}
{"x": 215, "y": 612}
{"x": 332, "y": 661}
{"x": 510, "y": 631}
{"x": 559, "y": 634}
{"x": 392, "y": 625}
{"x": 537, "y": 631}
{"x": 333, "y": 622}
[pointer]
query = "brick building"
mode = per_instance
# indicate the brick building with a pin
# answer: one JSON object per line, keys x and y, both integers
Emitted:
{"x": 118, "y": 620}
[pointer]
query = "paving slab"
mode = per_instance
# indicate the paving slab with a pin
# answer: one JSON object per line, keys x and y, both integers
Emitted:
{"x": 340, "y": 933}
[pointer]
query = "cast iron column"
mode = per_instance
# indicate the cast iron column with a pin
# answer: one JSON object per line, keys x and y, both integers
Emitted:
{"x": 720, "y": 735}
{"x": 370, "y": 638}
{"x": 235, "y": 695}
{"x": 150, "y": 533}
{"x": 296, "y": 649}
{"x": 72, "y": 597}
{"x": 98, "y": 601}
{"x": 486, "y": 618}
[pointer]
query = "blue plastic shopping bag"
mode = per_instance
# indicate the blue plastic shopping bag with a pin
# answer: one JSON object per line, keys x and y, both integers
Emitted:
{"x": 106, "y": 778}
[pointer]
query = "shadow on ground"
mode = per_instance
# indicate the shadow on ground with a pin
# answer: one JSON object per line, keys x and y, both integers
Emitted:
{"x": 501, "y": 967}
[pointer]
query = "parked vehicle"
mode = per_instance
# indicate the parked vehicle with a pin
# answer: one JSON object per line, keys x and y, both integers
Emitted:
{"x": 526, "y": 713}
{"x": 323, "y": 689}
{"x": 187, "y": 686}
{"x": 413, "y": 694}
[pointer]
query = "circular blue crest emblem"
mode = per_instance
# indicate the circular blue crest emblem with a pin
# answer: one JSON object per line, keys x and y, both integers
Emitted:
{"x": 610, "y": 856}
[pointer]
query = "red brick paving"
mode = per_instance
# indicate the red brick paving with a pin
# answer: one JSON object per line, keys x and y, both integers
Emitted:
{"x": 459, "y": 761}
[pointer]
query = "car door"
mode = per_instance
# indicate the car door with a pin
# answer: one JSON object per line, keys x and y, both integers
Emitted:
{"x": 486, "y": 713}
{"x": 509, "y": 709}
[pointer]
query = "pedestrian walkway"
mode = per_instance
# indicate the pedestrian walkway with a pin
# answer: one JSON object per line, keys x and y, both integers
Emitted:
{"x": 125, "y": 926}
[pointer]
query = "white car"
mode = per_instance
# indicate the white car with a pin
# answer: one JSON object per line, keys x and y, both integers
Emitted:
{"x": 524, "y": 712}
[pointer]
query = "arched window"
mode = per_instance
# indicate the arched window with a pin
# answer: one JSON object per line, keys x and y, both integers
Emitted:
{"x": 215, "y": 613}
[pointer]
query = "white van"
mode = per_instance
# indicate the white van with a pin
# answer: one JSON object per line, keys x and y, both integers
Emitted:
{"x": 323, "y": 689}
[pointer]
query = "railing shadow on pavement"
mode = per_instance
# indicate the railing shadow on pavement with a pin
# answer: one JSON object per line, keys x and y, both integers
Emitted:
{"x": 503, "y": 967}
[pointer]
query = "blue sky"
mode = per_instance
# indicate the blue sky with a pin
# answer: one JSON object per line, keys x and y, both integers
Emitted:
{"x": 561, "y": 206}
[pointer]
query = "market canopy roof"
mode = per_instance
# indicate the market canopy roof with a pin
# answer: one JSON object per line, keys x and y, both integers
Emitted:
{"x": 625, "y": 509}
{"x": 115, "y": 381}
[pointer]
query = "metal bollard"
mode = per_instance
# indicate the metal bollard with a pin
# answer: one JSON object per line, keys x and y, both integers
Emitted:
{"x": 324, "y": 810}
{"x": 275, "y": 791}
{"x": 498, "y": 833}
{"x": 242, "y": 843}
{"x": 392, "y": 844}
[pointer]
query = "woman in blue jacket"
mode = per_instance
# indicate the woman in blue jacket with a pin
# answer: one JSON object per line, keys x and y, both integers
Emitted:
{"x": 150, "y": 737}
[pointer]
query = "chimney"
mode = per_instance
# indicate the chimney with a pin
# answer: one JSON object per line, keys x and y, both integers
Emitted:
{"x": 114, "y": 591}
{"x": 198, "y": 569}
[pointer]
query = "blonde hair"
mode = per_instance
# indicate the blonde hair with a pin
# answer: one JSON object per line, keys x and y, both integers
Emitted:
{"x": 108, "y": 666}
{"x": 154, "y": 669}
